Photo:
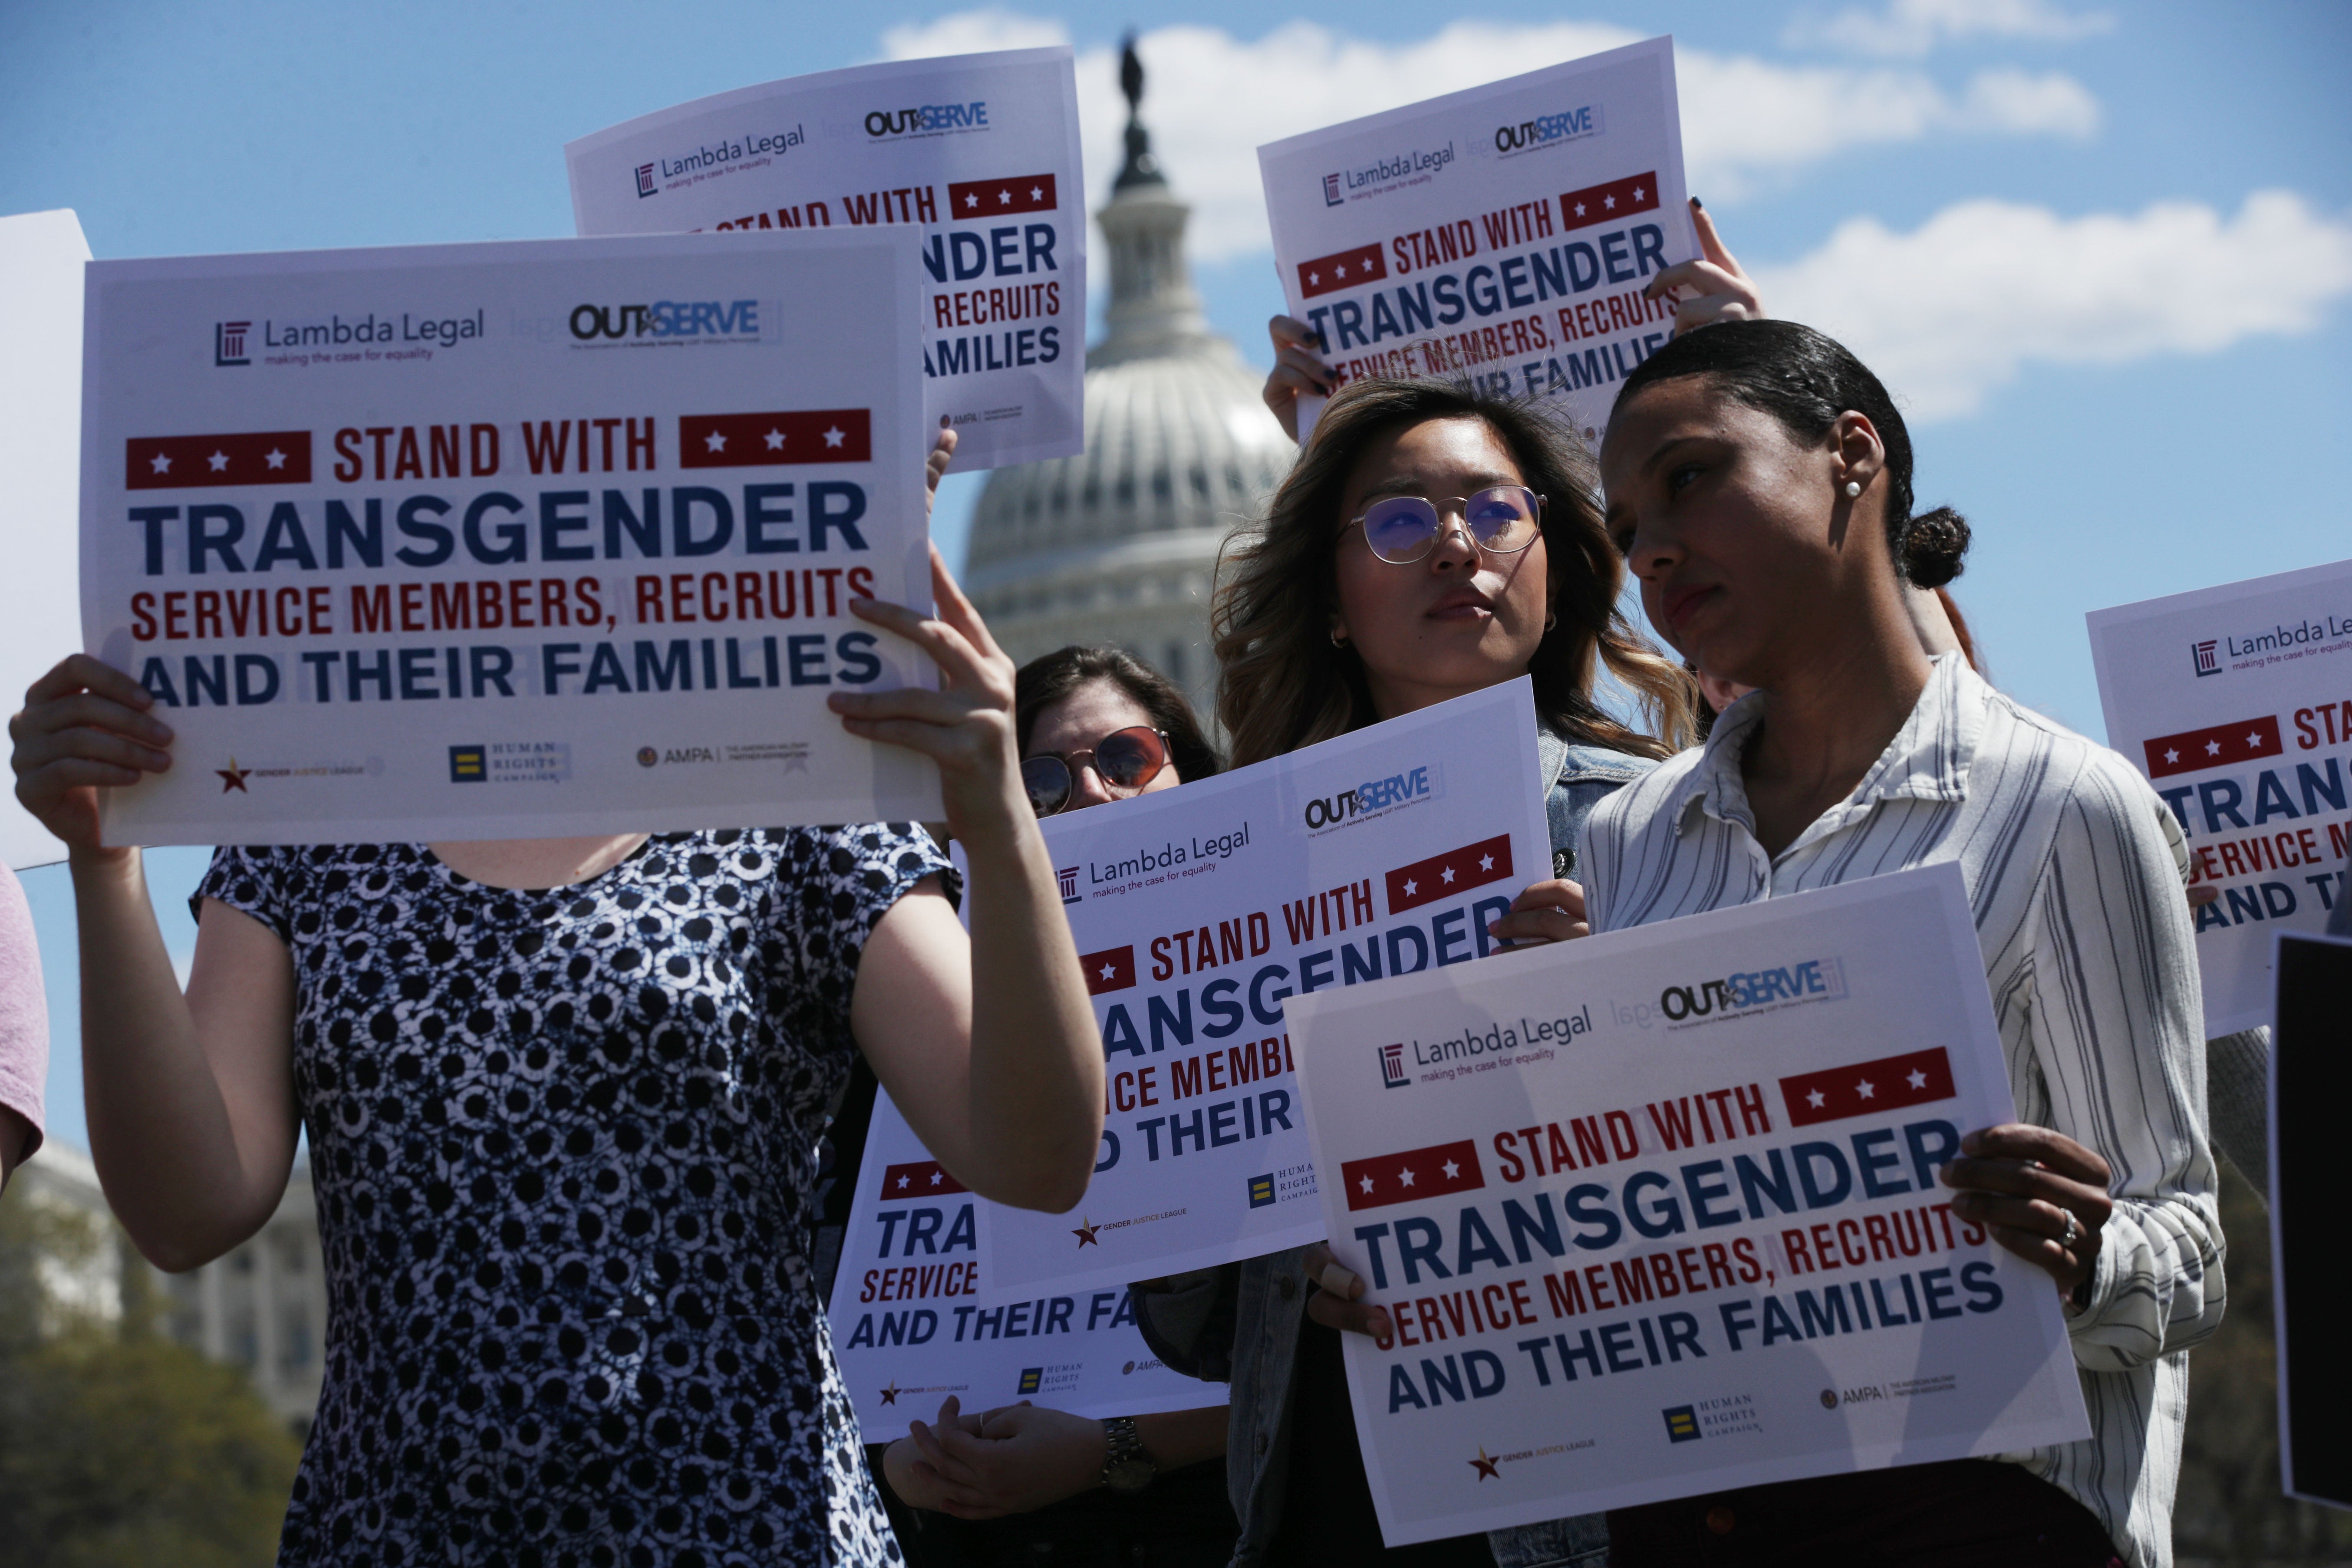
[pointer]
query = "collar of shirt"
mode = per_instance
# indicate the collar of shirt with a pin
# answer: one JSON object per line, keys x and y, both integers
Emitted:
{"x": 1927, "y": 759}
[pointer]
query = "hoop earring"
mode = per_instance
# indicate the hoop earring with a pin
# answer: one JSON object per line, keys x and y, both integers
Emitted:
{"x": 1551, "y": 620}
{"x": 1337, "y": 640}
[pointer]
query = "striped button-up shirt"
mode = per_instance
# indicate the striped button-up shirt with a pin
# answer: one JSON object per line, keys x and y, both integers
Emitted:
{"x": 2088, "y": 950}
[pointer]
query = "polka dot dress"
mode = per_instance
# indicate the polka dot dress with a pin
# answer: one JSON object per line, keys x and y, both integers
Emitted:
{"x": 563, "y": 1144}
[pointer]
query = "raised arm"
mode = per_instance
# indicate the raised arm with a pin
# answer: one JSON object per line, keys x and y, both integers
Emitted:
{"x": 190, "y": 1097}
{"x": 987, "y": 1043}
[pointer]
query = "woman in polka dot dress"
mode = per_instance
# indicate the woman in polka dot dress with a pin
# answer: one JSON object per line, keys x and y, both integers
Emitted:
{"x": 563, "y": 1097}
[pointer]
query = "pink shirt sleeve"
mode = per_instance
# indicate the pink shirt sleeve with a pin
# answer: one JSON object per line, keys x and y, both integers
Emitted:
{"x": 24, "y": 1012}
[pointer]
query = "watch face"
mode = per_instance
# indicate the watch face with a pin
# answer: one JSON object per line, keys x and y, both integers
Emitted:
{"x": 1130, "y": 1475}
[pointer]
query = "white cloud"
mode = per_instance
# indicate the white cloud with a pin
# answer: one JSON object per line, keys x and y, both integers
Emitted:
{"x": 1212, "y": 99}
{"x": 1957, "y": 308}
{"x": 1910, "y": 29}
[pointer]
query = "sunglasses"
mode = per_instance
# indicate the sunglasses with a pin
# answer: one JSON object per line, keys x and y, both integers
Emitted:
{"x": 1402, "y": 530}
{"x": 1125, "y": 759}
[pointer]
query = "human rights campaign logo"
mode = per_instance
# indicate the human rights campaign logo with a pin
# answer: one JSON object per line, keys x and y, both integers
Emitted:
{"x": 2208, "y": 658}
{"x": 1030, "y": 1376}
{"x": 1682, "y": 1423}
{"x": 468, "y": 765}
{"x": 1393, "y": 1073}
{"x": 1261, "y": 1190}
{"x": 229, "y": 343}
{"x": 647, "y": 185}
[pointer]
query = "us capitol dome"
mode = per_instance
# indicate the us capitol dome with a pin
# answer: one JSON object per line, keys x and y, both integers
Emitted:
{"x": 1118, "y": 544}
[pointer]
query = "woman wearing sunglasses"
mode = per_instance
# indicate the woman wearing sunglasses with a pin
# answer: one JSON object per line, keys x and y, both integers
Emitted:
{"x": 1026, "y": 1484}
{"x": 1432, "y": 542}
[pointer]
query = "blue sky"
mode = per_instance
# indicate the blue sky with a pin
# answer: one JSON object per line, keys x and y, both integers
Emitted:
{"x": 2102, "y": 253}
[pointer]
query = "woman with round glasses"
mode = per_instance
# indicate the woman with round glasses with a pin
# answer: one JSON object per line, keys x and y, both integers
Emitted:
{"x": 1027, "y": 1483}
{"x": 1431, "y": 541}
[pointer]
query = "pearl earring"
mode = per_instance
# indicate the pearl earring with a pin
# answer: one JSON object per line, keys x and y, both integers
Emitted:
{"x": 1853, "y": 487}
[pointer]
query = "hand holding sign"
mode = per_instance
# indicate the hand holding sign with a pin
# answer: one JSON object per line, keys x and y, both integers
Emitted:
{"x": 2041, "y": 1194}
{"x": 85, "y": 724}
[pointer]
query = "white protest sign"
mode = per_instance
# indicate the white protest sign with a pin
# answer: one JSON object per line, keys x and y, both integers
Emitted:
{"x": 2236, "y": 702}
{"x": 401, "y": 557}
{"x": 1198, "y": 910}
{"x": 980, "y": 152}
{"x": 1503, "y": 233}
{"x": 914, "y": 1321}
{"x": 1700, "y": 1243}
{"x": 41, "y": 257}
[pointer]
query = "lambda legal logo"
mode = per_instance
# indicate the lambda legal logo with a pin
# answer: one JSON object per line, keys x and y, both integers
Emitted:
{"x": 647, "y": 185}
{"x": 1068, "y": 876}
{"x": 1393, "y": 1073}
{"x": 2209, "y": 659}
{"x": 229, "y": 345}
{"x": 1331, "y": 197}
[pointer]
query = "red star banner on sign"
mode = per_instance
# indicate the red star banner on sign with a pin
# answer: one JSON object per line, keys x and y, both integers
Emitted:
{"x": 772, "y": 440}
{"x": 1345, "y": 269}
{"x": 1604, "y": 203}
{"x": 199, "y": 462}
{"x": 1890, "y": 1083}
{"x": 1431, "y": 1173}
{"x": 923, "y": 1178}
{"x": 1442, "y": 875}
{"x": 1112, "y": 969}
{"x": 2217, "y": 747}
{"x": 1000, "y": 198}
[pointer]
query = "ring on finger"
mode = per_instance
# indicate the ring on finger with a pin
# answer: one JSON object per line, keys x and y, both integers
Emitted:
{"x": 2074, "y": 1230}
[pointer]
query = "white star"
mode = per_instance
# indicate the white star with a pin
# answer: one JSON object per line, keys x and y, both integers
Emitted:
{"x": 1036, "y": 193}
{"x": 1404, "y": 1178}
{"x": 2172, "y": 757}
{"x": 1580, "y": 210}
{"x": 1865, "y": 1089}
{"x": 833, "y": 438}
{"x": 1637, "y": 193}
{"x": 1608, "y": 202}
{"x": 2212, "y": 748}
{"x": 1315, "y": 278}
{"x": 1005, "y": 198}
{"x": 276, "y": 458}
{"x": 1341, "y": 269}
{"x": 1365, "y": 1183}
{"x": 2255, "y": 739}
{"x": 1109, "y": 971}
{"x": 1917, "y": 1079}
{"x": 715, "y": 441}
{"x": 219, "y": 461}
{"x": 1452, "y": 1170}
{"x": 902, "y": 1181}
{"x": 935, "y": 1178}
{"x": 1408, "y": 889}
{"x": 973, "y": 200}
{"x": 775, "y": 440}
{"x": 1816, "y": 1099}
{"x": 1448, "y": 876}
{"x": 1485, "y": 862}
{"x": 161, "y": 464}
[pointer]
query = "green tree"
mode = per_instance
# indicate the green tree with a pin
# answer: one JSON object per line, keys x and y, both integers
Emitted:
{"x": 120, "y": 1449}
{"x": 2230, "y": 1509}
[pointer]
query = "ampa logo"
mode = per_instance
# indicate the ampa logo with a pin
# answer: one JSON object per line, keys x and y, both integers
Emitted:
{"x": 1393, "y": 1073}
{"x": 2208, "y": 657}
{"x": 647, "y": 185}
{"x": 229, "y": 343}
{"x": 1331, "y": 197}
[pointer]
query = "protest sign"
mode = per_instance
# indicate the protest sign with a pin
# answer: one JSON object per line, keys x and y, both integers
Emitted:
{"x": 403, "y": 552}
{"x": 2236, "y": 702}
{"x": 1198, "y": 910}
{"x": 1502, "y": 233}
{"x": 979, "y": 153}
{"x": 915, "y": 1321}
{"x": 41, "y": 257}
{"x": 2311, "y": 1272}
{"x": 1656, "y": 1213}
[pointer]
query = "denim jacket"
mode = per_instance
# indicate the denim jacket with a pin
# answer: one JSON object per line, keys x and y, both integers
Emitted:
{"x": 1240, "y": 1325}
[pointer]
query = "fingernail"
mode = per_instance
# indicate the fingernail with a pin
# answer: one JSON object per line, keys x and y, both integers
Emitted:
{"x": 1698, "y": 204}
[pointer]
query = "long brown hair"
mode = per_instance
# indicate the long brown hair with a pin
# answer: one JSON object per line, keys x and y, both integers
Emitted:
{"x": 1284, "y": 685}
{"x": 1045, "y": 681}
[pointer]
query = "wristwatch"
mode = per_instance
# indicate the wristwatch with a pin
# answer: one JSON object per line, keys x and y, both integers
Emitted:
{"x": 1127, "y": 1463}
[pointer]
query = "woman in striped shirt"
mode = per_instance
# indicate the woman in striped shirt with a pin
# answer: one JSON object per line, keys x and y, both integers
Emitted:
{"x": 1759, "y": 483}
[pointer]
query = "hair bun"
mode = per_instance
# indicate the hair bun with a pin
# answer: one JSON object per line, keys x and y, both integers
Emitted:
{"x": 1936, "y": 547}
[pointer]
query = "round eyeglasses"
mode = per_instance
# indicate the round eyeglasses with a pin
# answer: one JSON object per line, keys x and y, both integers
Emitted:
{"x": 1402, "y": 530}
{"x": 1125, "y": 759}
